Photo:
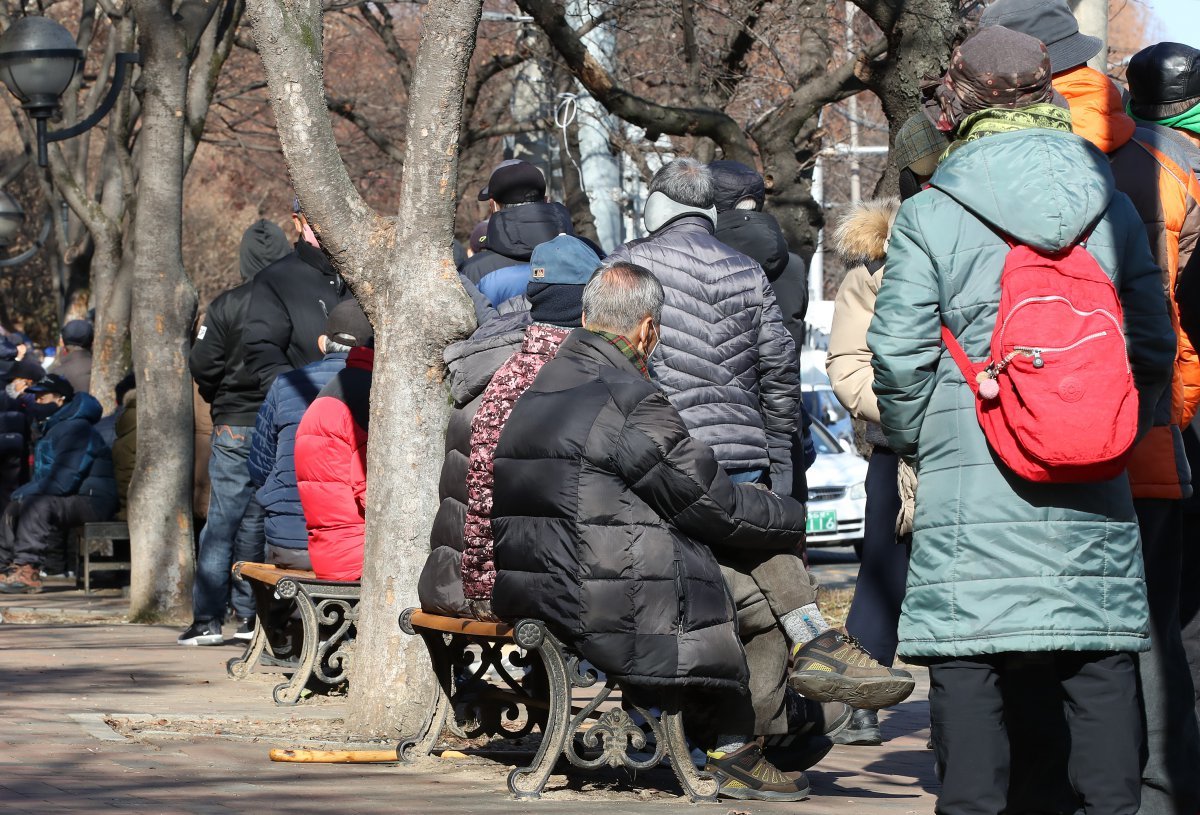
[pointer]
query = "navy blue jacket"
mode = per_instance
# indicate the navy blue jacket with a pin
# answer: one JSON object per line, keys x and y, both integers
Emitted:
{"x": 272, "y": 455}
{"x": 71, "y": 458}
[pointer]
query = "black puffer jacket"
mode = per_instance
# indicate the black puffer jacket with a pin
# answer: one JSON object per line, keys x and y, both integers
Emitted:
{"x": 500, "y": 271}
{"x": 471, "y": 365}
{"x": 291, "y": 300}
{"x": 604, "y": 511}
{"x": 757, "y": 235}
{"x": 218, "y": 360}
{"x": 725, "y": 360}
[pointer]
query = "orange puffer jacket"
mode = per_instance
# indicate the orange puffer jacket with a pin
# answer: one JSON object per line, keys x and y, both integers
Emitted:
{"x": 1149, "y": 167}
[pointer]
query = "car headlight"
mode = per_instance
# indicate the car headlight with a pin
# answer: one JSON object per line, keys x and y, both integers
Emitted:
{"x": 858, "y": 491}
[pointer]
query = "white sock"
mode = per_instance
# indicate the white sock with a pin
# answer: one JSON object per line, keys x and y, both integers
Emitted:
{"x": 804, "y": 624}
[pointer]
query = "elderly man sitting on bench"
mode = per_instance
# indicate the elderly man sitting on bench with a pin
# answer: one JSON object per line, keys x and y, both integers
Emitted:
{"x": 623, "y": 534}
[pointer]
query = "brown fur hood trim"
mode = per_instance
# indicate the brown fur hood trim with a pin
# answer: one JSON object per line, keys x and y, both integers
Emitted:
{"x": 861, "y": 236}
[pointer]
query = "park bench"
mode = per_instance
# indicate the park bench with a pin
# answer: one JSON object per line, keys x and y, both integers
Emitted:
{"x": 101, "y": 547}
{"x": 542, "y": 679}
{"x": 328, "y": 614}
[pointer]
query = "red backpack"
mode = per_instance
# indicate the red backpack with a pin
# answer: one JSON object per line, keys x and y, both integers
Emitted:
{"x": 1055, "y": 398}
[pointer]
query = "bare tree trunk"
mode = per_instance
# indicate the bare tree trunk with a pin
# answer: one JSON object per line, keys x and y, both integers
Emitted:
{"x": 164, "y": 304}
{"x": 112, "y": 297}
{"x": 403, "y": 274}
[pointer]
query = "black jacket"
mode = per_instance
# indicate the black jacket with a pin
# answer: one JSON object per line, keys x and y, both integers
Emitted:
{"x": 501, "y": 271}
{"x": 603, "y": 513}
{"x": 758, "y": 235}
{"x": 218, "y": 360}
{"x": 289, "y": 303}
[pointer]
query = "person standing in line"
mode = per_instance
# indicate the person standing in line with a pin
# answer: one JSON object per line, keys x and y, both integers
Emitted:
{"x": 234, "y": 527}
{"x": 289, "y": 303}
{"x": 861, "y": 239}
{"x": 1006, "y": 571}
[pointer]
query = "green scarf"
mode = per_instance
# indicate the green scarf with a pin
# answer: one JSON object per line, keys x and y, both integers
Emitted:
{"x": 1188, "y": 120}
{"x": 625, "y": 347}
{"x": 1006, "y": 120}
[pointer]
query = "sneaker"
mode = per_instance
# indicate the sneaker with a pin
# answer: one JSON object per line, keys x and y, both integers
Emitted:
{"x": 863, "y": 730}
{"x": 207, "y": 632}
{"x": 245, "y": 631}
{"x": 23, "y": 579}
{"x": 835, "y": 668}
{"x": 746, "y": 774}
{"x": 790, "y": 753}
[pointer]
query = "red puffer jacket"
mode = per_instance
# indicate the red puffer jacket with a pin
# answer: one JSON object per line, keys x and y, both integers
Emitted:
{"x": 331, "y": 469}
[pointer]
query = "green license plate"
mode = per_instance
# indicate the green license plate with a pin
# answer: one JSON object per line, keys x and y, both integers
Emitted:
{"x": 824, "y": 520}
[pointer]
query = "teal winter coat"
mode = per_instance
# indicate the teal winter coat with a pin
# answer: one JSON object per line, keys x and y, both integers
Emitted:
{"x": 1000, "y": 564}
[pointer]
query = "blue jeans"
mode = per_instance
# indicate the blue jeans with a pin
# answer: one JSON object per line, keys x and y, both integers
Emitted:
{"x": 746, "y": 476}
{"x": 234, "y": 530}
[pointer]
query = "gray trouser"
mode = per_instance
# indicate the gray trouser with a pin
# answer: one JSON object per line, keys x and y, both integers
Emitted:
{"x": 764, "y": 586}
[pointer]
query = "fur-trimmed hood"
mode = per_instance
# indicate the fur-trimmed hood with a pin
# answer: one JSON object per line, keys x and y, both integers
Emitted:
{"x": 862, "y": 235}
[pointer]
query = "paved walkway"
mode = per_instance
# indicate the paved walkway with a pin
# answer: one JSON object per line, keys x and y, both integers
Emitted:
{"x": 102, "y": 717}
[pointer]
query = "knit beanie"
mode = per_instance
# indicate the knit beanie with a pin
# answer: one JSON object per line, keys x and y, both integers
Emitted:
{"x": 262, "y": 244}
{"x": 558, "y": 304}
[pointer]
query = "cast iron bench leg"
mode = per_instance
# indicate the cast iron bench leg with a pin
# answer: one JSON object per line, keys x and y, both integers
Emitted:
{"x": 288, "y": 693}
{"x": 528, "y": 782}
{"x": 698, "y": 786}
{"x": 426, "y": 739}
{"x": 243, "y": 666}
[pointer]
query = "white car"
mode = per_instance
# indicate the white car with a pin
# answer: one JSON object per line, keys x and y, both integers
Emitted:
{"x": 837, "y": 494}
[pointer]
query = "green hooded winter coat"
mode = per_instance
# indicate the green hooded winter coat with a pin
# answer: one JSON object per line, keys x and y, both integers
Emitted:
{"x": 1000, "y": 564}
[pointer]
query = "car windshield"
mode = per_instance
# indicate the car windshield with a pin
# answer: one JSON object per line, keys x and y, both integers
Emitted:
{"x": 824, "y": 441}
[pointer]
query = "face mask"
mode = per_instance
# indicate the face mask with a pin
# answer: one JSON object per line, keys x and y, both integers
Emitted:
{"x": 42, "y": 412}
{"x": 11, "y": 390}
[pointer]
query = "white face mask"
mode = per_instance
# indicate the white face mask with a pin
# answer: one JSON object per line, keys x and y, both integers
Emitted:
{"x": 11, "y": 390}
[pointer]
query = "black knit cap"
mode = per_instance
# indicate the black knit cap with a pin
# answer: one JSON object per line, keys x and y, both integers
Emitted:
{"x": 348, "y": 325}
{"x": 733, "y": 182}
{"x": 1164, "y": 80}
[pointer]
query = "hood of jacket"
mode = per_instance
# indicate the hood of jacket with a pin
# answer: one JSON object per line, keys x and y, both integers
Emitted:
{"x": 757, "y": 235}
{"x": 514, "y": 232}
{"x": 1097, "y": 111}
{"x": 262, "y": 244}
{"x": 862, "y": 235}
{"x": 1043, "y": 187}
{"x": 82, "y": 406}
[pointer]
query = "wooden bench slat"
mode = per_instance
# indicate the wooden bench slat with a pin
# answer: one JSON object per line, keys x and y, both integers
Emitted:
{"x": 455, "y": 625}
{"x": 269, "y": 573}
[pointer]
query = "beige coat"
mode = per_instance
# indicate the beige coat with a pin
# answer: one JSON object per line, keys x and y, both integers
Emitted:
{"x": 861, "y": 238}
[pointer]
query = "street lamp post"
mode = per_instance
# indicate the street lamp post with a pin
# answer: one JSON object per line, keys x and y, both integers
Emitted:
{"x": 38, "y": 60}
{"x": 12, "y": 217}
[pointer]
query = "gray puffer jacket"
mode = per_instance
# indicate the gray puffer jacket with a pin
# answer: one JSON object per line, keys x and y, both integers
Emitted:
{"x": 726, "y": 361}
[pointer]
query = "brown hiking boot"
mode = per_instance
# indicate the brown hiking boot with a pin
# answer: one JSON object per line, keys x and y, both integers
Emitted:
{"x": 23, "y": 579}
{"x": 747, "y": 775}
{"x": 835, "y": 668}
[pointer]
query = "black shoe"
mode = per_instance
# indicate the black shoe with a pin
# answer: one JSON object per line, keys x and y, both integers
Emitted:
{"x": 747, "y": 775}
{"x": 207, "y": 632}
{"x": 862, "y": 730}
{"x": 245, "y": 631}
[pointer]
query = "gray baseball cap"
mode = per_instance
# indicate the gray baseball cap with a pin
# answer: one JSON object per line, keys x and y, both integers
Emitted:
{"x": 1052, "y": 22}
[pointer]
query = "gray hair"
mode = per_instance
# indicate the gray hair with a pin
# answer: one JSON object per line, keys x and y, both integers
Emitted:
{"x": 620, "y": 295}
{"x": 686, "y": 181}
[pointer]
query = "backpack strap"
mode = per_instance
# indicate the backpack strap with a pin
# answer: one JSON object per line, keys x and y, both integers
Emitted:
{"x": 965, "y": 366}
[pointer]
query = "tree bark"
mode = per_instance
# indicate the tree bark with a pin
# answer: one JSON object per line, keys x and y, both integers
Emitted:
{"x": 164, "y": 305}
{"x": 402, "y": 272}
